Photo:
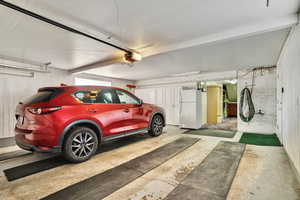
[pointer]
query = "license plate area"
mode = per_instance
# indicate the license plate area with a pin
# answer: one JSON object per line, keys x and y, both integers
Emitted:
{"x": 20, "y": 121}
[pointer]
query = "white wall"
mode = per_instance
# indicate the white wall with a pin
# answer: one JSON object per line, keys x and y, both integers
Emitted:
{"x": 289, "y": 100}
{"x": 121, "y": 83}
{"x": 15, "y": 88}
{"x": 264, "y": 98}
{"x": 85, "y": 81}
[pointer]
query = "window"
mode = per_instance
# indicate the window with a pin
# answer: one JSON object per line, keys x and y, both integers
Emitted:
{"x": 42, "y": 96}
{"x": 106, "y": 97}
{"x": 101, "y": 96}
{"x": 85, "y": 96}
{"x": 126, "y": 98}
{"x": 83, "y": 81}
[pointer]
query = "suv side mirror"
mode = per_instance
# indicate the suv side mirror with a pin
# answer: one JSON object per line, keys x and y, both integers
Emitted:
{"x": 140, "y": 102}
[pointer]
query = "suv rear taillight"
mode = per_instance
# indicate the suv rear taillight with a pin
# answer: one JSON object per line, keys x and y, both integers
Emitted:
{"x": 41, "y": 111}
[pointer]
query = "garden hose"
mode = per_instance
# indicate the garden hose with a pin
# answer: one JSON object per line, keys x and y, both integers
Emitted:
{"x": 246, "y": 109}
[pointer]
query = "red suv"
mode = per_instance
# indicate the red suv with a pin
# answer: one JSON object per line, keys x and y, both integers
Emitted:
{"x": 74, "y": 120}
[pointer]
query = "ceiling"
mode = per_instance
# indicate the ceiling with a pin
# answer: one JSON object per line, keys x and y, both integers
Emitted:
{"x": 178, "y": 36}
{"x": 259, "y": 50}
{"x": 140, "y": 23}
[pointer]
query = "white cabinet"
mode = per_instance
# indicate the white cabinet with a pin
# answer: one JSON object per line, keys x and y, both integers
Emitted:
{"x": 193, "y": 108}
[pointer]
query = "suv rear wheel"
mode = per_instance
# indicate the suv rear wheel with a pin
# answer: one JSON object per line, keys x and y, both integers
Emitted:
{"x": 157, "y": 125}
{"x": 80, "y": 145}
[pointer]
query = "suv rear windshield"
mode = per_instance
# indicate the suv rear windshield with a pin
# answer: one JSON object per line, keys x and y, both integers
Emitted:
{"x": 41, "y": 96}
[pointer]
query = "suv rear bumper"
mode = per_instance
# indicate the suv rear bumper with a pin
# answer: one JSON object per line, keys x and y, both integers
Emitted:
{"x": 23, "y": 144}
{"x": 30, "y": 147}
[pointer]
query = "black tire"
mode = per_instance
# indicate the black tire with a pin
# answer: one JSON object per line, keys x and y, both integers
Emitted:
{"x": 157, "y": 125}
{"x": 80, "y": 145}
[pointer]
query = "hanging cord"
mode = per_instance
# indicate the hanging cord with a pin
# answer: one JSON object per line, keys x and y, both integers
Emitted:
{"x": 246, "y": 107}
{"x": 252, "y": 84}
{"x": 247, "y": 110}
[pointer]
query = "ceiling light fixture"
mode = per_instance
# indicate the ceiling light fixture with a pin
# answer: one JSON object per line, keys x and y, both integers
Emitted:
{"x": 233, "y": 81}
{"x": 132, "y": 57}
{"x": 186, "y": 74}
{"x": 17, "y": 73}
{"x": 17, "y": 63}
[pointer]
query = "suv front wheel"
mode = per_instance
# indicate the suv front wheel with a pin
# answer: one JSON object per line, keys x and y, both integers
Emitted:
{"x": 157, "y": 125}
{"x": 80, "y": 145}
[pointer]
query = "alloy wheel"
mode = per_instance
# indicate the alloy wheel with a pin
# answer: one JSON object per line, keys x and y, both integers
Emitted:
{"x": 83, "y": 144}
{"x": 157, "y": 125}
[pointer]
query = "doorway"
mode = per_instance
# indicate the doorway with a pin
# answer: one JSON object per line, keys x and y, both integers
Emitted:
{"x": 221, "y": 105}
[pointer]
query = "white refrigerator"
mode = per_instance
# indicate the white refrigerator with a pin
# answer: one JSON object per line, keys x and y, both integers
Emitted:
{"x": 193, "y": 109}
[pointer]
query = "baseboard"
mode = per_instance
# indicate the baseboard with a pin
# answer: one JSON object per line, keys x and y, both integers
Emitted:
{"x": 6, "y": 142}
{"x": 294, "y": 169}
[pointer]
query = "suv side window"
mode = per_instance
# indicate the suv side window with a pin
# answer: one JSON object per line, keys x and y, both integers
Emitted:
{"x": 84, "y": 96}
{"x": 107, "y": 96}
{"x": 96, "y": 96}
{"x": 126, "y": 98}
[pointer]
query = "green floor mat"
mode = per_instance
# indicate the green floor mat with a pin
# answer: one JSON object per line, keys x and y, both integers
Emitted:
{"x": 260, "y": 139}
{"x": 212, "y": 132}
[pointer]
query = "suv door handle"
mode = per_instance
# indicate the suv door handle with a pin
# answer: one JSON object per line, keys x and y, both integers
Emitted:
{"x": 126, "y": 110}
{"x": 91, "y": 111}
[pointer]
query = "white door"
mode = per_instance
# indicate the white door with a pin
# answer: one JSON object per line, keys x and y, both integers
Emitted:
{"x": 172, "y": 105}
{"x": 165, "y": 97}
{"x": 147, "y": 95}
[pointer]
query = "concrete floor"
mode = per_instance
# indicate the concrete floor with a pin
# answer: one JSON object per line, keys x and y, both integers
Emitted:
{"x": 263, "y": 173}
{"x": 226, "y": 124}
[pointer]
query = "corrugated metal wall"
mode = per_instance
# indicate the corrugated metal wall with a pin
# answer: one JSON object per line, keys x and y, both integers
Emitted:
{"x": 14, "y": 88}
